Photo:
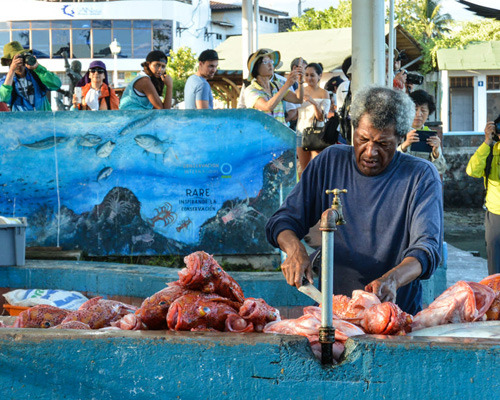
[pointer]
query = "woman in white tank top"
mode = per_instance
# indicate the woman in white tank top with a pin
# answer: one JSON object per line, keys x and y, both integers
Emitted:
{"x": 316, "y": 105}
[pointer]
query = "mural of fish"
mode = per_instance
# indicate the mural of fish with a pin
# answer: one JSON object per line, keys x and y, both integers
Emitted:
{"x": 89, "y": 140}
{"x": 46, "y": 143}
{"x": 137, "y": 124}
{"x": 104, "y": 173}
{"x": 105, "y": 149}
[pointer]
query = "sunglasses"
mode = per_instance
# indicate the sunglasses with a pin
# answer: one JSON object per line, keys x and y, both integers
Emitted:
{"x": 97, "y": 70}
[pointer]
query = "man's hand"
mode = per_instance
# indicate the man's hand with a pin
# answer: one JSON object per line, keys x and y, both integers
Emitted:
{"x": 411, "y": 137}
{"x": 489, "y": 131}
{"x": 387, "y": 285}
{"x": 297, "y": 264}
{"x": 435, "y": 143}
{"x": 17, "y": 62}
{"x": 385, "y": 288}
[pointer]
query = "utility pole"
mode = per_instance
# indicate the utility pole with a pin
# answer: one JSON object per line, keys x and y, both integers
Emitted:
{"x": 300, "y": 8}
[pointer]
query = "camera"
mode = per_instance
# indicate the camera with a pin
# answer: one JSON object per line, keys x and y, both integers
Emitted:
{"x": 414, "y": 78}
{"x": 496, "y": 135}
{"x": 28, "y": 59}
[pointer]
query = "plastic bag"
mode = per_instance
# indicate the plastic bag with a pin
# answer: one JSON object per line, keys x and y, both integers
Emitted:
{"x": 57, "y": 298}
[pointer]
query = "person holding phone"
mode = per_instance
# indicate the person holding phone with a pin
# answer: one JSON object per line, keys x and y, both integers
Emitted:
{"x": 93, "y": 91}
{"x": 424, "y": 106}
{"x": 485, "y": 163}
{"x": 27, "y": 83}
{"x": 144, "y": 92}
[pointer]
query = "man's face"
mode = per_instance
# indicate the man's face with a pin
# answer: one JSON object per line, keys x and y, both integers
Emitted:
{"x": 301, "y": 64}
{"x": 373, "y": 148}
{"x": 208, "y": 68}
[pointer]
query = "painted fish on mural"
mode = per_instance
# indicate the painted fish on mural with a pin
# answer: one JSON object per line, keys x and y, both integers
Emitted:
{"x": 145, "y": 237}
{"x": 105, "y": 149}
{"x": 137, "y": 124}
{"x": 152, "y": 144}
{"x": 104, "y": 173}
{"x": 46, "y": 143}
{"x": 89, "y": 140}
{"x": 183, "y": 225}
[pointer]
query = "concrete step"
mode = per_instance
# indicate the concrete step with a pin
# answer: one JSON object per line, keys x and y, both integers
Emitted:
{"x": 52, "y": 253}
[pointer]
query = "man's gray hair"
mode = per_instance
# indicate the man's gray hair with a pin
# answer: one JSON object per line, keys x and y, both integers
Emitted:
{"x": 386, "y": 107}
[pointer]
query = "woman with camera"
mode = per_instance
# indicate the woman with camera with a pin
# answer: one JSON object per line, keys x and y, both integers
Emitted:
{"x": 95, "y": 93}
{"x": 144, "y": 92}
{"x": 485, "y": 163}
{"x": 26, "y": 84}
{"x": 424, "y": 106}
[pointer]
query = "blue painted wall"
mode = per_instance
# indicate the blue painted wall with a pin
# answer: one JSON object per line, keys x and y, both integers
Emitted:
{"x": 48, "y": 364}
{"x": 146, "y": 182}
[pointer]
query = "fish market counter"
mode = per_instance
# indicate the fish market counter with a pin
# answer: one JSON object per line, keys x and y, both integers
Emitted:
{"x": 47, "y": 364}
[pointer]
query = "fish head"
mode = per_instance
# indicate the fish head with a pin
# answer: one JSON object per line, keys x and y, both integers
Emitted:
{"x": 41, "y": 316}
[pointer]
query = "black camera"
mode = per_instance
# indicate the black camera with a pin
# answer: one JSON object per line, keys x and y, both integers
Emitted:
{"x": 414, "y": 78}
{"x": 496, "y": 135}
{"x": 28, "y": 59}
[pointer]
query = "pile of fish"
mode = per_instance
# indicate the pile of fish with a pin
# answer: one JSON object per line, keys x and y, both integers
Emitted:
{"x": 206, "y": 298}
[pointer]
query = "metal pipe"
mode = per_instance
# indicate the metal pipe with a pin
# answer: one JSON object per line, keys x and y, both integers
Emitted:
{"x": 390, "y": 69}
{"x": 329, "y": 220}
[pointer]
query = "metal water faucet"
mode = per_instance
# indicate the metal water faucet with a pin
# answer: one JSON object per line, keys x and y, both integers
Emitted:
{"x": 330, "y": 218}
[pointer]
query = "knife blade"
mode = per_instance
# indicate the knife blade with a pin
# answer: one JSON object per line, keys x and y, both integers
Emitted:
{"x": 310, "y": 290}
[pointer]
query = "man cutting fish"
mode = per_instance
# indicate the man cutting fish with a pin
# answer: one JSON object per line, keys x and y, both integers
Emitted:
{"x": 393, "y": 207}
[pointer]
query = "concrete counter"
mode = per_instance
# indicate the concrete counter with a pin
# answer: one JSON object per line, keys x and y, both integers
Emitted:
{"x": 48, "y": 364}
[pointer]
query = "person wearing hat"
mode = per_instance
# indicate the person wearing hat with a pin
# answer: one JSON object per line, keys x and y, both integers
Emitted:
{"x": 26, "y": 84}
{"x": 266, "y": 94}
{"x": 197, "y": 91}
{"x": 96, "y": 93}
{"x": 144, "y": 92}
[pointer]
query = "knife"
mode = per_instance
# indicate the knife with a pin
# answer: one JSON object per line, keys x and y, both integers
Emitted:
{"x": 310, "y": 290}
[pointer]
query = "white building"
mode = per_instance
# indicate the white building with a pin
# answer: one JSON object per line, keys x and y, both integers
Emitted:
{"x": 85, "y": 29}
{"x": 470, "y": 85}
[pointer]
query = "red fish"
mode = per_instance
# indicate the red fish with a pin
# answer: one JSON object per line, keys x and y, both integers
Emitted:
{"x": 72, "y": 325}
{"x": 462, "y": 302}
{"x": 386, "y": 319}
{"x": 41, "y": 316}
{"x": 130, "y": 322}
{"x": 199, "y": 311}
{"x": 203, "y": 273}
{"x": 258, "y": 312}
{"x": 492, "y": 281}
{"x": 154, "y": 309}
{"x": 234, "y": 323}
{"x": 98, "y": 312}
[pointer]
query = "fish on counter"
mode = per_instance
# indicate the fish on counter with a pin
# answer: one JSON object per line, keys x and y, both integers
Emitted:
{"x": 462, "y": 302}
{"x": 203, "y": 273}
{"x": 41, "y": 316}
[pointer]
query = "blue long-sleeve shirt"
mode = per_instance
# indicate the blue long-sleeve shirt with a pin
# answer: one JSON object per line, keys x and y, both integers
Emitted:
{"x": 390, "y": 216}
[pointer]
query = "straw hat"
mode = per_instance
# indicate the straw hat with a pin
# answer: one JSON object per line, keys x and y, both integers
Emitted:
{"x": 261, "y": 53}
{"x": 10, "y": 50}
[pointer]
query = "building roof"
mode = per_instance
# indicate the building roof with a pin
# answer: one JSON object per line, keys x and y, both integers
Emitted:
{"x": 486, "y": 12}
{"x": 216, "y": 6}
{"x": 479, "y": 55}
{"x": 328, "y": 46}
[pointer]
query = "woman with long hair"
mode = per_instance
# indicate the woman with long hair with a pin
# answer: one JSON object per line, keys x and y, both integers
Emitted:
{"x": 314, "y": 108}
{"x": 96, "y": 92}
{"x": 144, "y": 92}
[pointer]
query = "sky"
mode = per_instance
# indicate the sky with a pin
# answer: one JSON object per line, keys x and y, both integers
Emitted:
{"x": 457, "y": 10}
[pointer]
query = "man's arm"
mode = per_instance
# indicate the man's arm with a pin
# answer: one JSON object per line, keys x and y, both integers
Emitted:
{"x": 387, "y": 285}
{"x": 297, "y": 264}
{"x": 201, "y": 104}
{"x": 49, "y": 79}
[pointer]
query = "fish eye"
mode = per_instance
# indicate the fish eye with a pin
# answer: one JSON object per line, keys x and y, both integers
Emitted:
{"x": 162, "y": 303}
{"x": 46, "y": 324}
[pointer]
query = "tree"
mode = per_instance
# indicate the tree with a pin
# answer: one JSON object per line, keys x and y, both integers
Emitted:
{"x": 422, "y": 18}
{"x": 330, "y": 18}
{"x": 181, "y": 65}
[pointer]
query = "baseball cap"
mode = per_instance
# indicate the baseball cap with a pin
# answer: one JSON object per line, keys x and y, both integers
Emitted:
{"x": 209, "y": 55}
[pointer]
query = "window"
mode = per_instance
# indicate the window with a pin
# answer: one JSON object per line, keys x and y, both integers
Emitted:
{"x": 4, "y": 38}
{"x": 162, "y": 36}
{"x": 60, "y": 42}
{"x": 493, "y": 82}
{"x": 265, "y": 18}
{"x": 41, "y": 43}
{"x": 142, "y": 40}
{"x": 261, "y": 18}
{"x": 461, "y": 81}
